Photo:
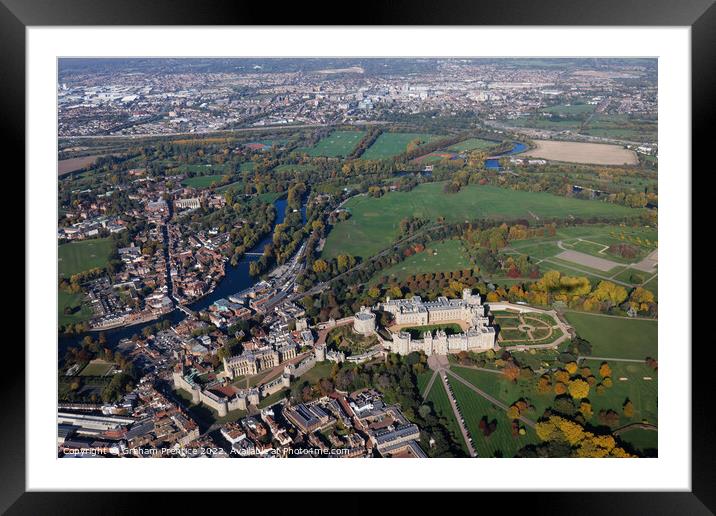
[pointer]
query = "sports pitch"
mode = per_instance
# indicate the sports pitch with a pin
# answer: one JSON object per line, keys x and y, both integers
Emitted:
{"x": 337, "y": 144}
{"x": 83, "y": 255}
{"x": 202, "y": 181}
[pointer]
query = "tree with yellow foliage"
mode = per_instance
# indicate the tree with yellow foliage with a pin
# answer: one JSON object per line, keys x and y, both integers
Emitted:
{"x": 578, "y": 389}
{"x": 571, "y": 368}
{"x": 605, "y": 370}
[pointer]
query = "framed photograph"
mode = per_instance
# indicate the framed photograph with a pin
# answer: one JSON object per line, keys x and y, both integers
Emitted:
{"x": 438, "y": 238}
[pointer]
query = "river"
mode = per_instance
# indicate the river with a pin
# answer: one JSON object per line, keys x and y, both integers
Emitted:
{"x": 236, "y": 279}
{"x": 494, "y": 163}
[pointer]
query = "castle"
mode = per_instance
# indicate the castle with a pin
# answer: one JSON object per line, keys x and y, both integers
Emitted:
{"x": 252, "y": 363}
{"x": 479, "y": 336}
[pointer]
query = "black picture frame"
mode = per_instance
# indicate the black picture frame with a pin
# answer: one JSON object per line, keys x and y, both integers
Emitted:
{"x": 700, "y": 15}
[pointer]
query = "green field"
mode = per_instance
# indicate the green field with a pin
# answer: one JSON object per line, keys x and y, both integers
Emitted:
{"x": 474, "y": 407}
{"x": 617, "y": 337}
{"x": 337, "y": 144}
{"x": 506, "y": 391}
{"x": 374, "y": 223}
{"x": 642, "y": 393}
{"x": 443, "y": 256}
{"x": 423, "y": 379}
{"x": 391, "y": 144}
{"x": 320, "y": 370}
{"x": 294, "y": 167}
{"x": 473, "y": 144}
{"x": 641, "y": 439}
{"x": 416, "y": 332}
{"x": 202, "y": 181}
{"x": 439, "y": 398}
{"x": 237, "y": 186}
{"x": 97, "y": 368}
{"x": 272, "y": 398}
{"x": 83, "y": 255}
{"x": 80, "y": 312}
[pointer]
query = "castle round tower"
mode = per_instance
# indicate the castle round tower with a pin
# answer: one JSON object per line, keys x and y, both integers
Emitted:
{"x": 364, "y": 321}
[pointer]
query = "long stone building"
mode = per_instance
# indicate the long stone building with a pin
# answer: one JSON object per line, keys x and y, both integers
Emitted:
{"x": 479, "y": 336}
{"x": 252, "y": 363}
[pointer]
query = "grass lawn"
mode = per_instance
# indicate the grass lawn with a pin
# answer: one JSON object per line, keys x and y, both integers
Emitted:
{"x": 423, "y": 379}
{"x": 337, "y": 144}
{"x": 474, "y": 407}
{"x": 506, "y": 391}
{"x": 97, "y": 368}
{"x": 238, "y": 187}
{"x": 202, "y": 181}
{"x": 473, "y": 144}
{"x": 642, "y": 393}
{"x": 641, "y": 439}
{"x": 374, "y": 222}
{"x": 346, "y": 340}
{"x": 391, "y": 144}
{"x": 439, "y": 398}
{"x": 80, "y": 312}
{"x": 445, "y": 256}
{"x": 270, "y": 197}
{"x": 616, "y": 337}
{"x": 83, "y": 255}
{"x": 320, "y": 370}
{"x": 273, "y": 398}
{"x": 416, "y": 332}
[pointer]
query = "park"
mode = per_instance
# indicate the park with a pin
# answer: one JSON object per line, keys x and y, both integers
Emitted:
{"x": 374, "y": 222}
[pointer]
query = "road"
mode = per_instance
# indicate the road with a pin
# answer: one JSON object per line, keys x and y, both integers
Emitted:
{"x": 458, "y": 417}
{"x": 612, "y": 359}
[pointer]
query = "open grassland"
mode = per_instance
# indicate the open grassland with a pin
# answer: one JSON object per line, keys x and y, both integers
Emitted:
{"x": 628, "y": 383}
{"x": 473, "y": 144}
{"x": 443, "y": 256}
{"x": 337, "y": 144}
{"x": 374, "y": 222}
{"x": 83, "y": 255}
{"x": 617, "y": 337}
{"x": 474, "y": 407}
{"x": 577, "y": 152}
{"x": 391, "y": 144}
{"x": 439, "y": 398}
{"x": 202, "y": 181}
